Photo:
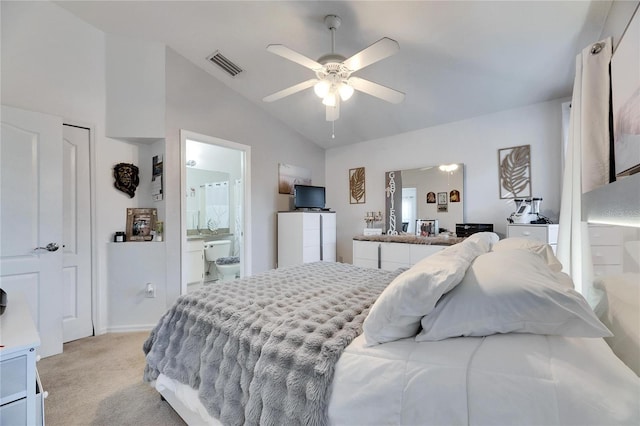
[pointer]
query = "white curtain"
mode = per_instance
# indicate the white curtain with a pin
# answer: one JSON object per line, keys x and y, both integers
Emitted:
{"x": 587, "y": 161}
{"x": 217, "y": 204}
{"x": 237, "y": 232}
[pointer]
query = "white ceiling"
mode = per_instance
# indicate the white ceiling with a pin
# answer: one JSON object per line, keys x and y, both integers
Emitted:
{"x": 457, "y": 59}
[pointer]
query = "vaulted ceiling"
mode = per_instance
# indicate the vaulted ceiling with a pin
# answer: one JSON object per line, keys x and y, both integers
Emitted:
{"x": 457, "y": 59}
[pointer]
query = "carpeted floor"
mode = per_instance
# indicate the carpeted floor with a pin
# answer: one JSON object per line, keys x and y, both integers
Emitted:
{"x": 98, "y": 381}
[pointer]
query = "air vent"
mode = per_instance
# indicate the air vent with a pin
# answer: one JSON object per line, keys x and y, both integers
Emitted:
{"x": 218, "y": 59}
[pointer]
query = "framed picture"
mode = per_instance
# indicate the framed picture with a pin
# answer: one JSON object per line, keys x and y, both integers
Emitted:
{"x": 515, "y": 172}
{"x": 141, "y": 223}
{"x": 625, "y": 92}
{"x": 431, "y": 197}
{"x": 454, "y": 196}
{"x": 289, "y": 176}
{"x": 357, "y": 194}
{"x": 442, "y": 198}
{"x": 426, "y": 227}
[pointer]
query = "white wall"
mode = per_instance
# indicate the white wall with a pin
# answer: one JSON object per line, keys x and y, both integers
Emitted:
{"x": 199, "y": 103}
{"x": 55, "y": 63}
{"x": 474, "y": 142}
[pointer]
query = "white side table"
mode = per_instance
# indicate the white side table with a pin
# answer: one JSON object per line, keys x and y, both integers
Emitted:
{"x": 547, "y": 233}
{"x": 20, "y": 404}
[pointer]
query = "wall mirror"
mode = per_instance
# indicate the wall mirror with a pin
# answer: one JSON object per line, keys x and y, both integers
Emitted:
{"x": 416, "y": 198}
{"x": 209, "y": 202}
{"x": 215, "y": 193}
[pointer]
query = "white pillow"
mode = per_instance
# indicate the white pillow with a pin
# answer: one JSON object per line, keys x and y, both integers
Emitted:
{"x": 486, "y": 239}
{"x": 538, "y": 247}
{"x": 414, "y": 293}
{"x": 511, "y": 291}
{"x": 622, "y": 315}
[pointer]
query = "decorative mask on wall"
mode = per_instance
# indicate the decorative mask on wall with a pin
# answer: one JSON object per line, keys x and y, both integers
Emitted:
{"x": 126, "y": 178}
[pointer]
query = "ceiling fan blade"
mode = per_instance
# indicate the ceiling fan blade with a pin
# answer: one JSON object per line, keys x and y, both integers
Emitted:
{"x": 290, "y": 90}
{"x": 294, "y": 56}
{"x": 377, "y": 90}
{"x": 333, "y": 113}
{"x": 381, "y": 49}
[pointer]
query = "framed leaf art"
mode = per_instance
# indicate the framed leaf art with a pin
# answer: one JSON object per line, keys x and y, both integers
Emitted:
{"x": 515, "y": 171}
{"x": 357, "y": 193}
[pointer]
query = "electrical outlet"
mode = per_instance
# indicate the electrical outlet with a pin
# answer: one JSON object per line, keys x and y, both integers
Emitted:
{"x": 150, "y": 290}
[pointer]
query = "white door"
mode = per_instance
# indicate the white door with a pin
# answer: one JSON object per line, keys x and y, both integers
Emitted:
{"x": 31, "y": 218}
{"x": 77, "y": 319}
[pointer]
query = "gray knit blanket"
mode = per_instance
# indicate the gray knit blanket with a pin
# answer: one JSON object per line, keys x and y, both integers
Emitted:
{"x": 262, "y": 350}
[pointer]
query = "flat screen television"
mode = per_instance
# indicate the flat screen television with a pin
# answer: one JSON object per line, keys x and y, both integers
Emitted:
{"x": 308, "y": 197}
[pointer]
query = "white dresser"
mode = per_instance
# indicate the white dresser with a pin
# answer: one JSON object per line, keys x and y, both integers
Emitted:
{"x": 547, "y": 233}
{"x": 606, "y": 249}
{"x": 390, "y": 256}
{"x": 306, "y": 237}
{"x": 21, "y": 400}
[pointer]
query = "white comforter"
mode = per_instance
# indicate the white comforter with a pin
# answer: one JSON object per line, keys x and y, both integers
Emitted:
{"x": 505, "y": 379}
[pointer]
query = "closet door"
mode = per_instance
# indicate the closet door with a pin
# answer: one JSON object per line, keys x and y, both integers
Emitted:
{"x": 31, "y": 255}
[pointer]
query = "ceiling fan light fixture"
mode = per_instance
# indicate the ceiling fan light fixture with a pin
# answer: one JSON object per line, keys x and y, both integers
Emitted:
{"x": 448, "y": 167}
{"x": 330, "y": 99}
{"x": 346, "y": 91}
{"x": 321, "y": 88}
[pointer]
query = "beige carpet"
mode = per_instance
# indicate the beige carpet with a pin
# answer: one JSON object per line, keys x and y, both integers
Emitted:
{"x": 98, "y": 381}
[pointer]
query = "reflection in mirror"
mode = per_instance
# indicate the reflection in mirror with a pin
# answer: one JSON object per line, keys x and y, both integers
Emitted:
{"x": 208, "y": 204}
{"x": 424, "y": 201}
{"x": 213, "y": 210}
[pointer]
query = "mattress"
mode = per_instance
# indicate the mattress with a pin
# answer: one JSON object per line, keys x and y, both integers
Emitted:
{"x": 515, "y": 379}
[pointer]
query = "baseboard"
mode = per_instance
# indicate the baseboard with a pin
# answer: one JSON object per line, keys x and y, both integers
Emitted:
{"x": 130, "y": 328}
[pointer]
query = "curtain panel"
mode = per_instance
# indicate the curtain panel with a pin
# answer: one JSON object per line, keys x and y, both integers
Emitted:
{"x": 587, "y": 161}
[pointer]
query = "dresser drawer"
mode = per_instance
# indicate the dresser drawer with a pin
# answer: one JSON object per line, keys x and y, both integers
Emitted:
{"x": 14, "y": 413}
{"x": 420, "y": 251}
{"x": 604, "y": 270}
{"x": 531, "y": 232}
{"x": 14, "y": 379}
{"x": 396, "y": 253}
{"x": 366, "y": 250}
{"x": 605, "y": 235}
{"x": 606, "y": 255}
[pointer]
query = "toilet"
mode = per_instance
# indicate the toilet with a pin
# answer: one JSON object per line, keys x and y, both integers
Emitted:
{"x": 217, "y": 253}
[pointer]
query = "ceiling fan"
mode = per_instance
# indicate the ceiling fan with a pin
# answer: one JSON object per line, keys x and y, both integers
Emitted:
{"x": 334, "y": 82}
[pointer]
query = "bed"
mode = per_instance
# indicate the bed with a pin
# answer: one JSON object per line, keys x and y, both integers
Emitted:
{"x": 483, "y": 332}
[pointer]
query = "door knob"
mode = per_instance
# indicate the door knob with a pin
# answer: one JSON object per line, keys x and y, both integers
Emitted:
{"x": 49, "y": 247}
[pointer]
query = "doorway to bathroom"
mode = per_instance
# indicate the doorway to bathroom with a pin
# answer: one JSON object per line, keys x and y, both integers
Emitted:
{"x": 215, "y": 210}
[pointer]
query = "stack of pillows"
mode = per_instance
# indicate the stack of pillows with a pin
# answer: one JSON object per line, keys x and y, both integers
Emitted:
{"x": 479, "y": 287}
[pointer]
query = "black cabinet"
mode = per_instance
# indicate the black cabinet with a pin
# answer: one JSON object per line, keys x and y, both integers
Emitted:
{"x": 466, "y": 229}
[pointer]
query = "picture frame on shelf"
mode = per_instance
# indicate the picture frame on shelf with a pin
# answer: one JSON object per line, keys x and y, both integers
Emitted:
{"x": 426, "y": 227}
{"x": 141, "y": 223}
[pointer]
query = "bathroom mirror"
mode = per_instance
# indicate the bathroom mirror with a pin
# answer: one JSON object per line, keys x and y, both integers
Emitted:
{"x": 208, "y": 200}
{"x": 425, "y": 194}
